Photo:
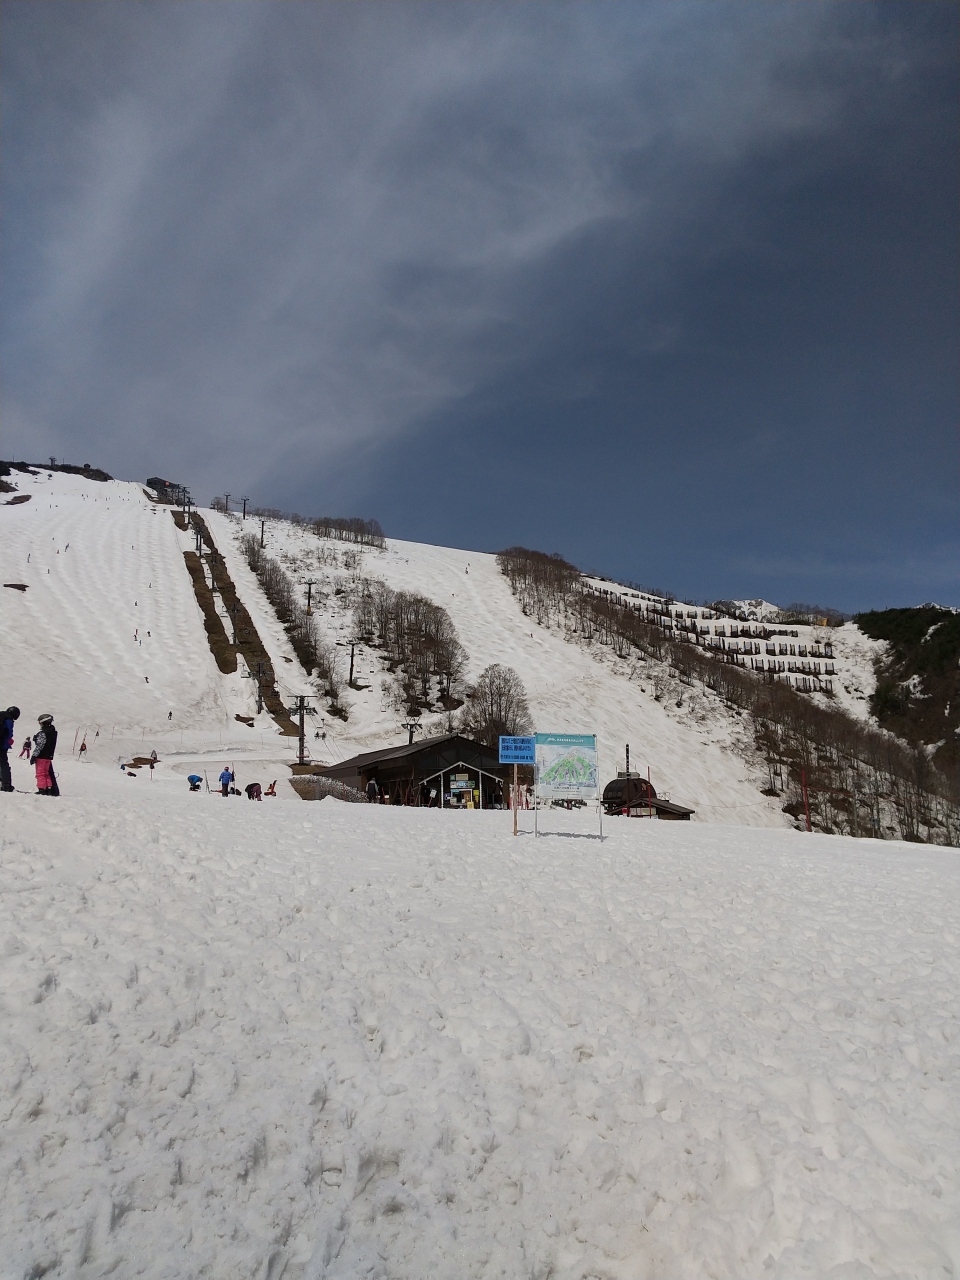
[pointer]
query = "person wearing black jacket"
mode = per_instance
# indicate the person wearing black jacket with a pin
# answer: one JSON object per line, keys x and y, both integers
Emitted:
{"x": 44, "y": 746}
{"x": 7, "y": 722}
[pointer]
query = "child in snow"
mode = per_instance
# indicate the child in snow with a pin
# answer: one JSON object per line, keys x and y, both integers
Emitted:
{"x": 194, "y": 779}
{"x": 254, "y": 791}
{"x": 44, "y": 746}
{"x": 25, "y": 749}
{"x": 225, "y": 779}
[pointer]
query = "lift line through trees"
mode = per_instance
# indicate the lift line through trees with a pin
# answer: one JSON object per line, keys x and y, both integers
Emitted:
{"x": 233, "y": 610}
{"x": 258, "y": 675}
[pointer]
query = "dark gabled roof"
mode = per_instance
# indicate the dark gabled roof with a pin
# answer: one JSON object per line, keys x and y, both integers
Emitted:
{"x": 408, "y": 749}
{"x": 668, "y": 806}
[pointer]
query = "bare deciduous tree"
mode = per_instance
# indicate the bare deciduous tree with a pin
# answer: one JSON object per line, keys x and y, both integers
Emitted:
{"x": 497, "y": 705}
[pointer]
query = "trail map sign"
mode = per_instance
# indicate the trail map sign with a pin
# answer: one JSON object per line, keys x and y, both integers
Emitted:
{"x": 518, "y": 750}
{"x": 567, "y": 766}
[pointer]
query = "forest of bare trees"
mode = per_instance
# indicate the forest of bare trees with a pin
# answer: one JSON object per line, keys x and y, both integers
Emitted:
{"x": 542, "y": 583}
{"x": 418, "y": 640}
{"x": 367, "y": 533}
{"x": 858, "y": 779}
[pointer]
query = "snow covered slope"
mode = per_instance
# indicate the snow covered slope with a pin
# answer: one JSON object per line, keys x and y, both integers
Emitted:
{"x": 108, "y": 636}
{"x": 108, "y": 631}
{"x": 696, "y": 752}
{"x": 324, "y": 1040}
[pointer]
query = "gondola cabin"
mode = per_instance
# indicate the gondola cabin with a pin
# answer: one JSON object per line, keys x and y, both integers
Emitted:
{"x": 635, "y": 797}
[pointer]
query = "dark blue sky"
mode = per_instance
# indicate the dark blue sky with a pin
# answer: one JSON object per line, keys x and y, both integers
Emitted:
{"x": 670, "y": 288}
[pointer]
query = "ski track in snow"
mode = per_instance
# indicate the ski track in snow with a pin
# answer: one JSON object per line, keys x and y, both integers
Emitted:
{"x": 344, "y": 1041}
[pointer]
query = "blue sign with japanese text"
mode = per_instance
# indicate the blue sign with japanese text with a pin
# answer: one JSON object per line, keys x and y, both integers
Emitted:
{"x": 518, "y": 750}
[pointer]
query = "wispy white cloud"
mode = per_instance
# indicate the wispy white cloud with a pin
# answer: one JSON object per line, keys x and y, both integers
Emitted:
{"x": 292, "y": 233}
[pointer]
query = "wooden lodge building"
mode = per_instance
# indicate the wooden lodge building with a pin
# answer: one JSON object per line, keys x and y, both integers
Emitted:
{"x": 637, "y": 798}
{"x": 450, "y": 771}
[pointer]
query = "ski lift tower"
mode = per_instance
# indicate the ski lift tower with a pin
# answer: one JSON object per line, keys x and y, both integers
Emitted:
{"x": 300, "y": 711}
{"x": 412, "y": 726}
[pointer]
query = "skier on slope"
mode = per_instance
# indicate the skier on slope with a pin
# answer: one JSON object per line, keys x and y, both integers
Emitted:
{"x": 44, "y": 746}
{"x": 225, "y": 780}
{"x": 7, "y": 723}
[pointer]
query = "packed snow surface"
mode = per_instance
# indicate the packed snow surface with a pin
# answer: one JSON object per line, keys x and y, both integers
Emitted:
{"x": 325, "y": 1040}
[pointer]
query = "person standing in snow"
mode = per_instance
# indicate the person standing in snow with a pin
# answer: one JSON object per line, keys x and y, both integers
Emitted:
{"x": 225, "y": 779}
{"x": 373, "y": 791}
{"x": 44, "y": 746}
{"x": 10, "y": 718}
{"x": 25, "y": 749}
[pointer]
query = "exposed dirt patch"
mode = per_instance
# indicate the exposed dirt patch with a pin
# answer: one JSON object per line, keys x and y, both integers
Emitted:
{"x": 217, "y": 638}
{"x": 248, "y": 641}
